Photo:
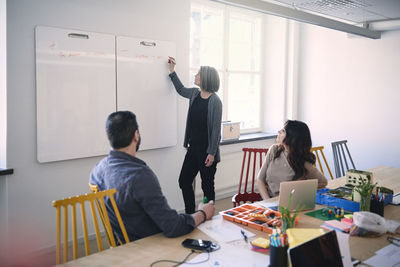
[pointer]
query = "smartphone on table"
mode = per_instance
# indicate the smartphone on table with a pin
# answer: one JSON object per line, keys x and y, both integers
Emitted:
{"x": 199, "y": 244}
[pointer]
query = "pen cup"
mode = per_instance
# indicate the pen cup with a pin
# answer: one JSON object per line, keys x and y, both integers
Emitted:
{"x": 278, "y": 256}
{"x": 377, "y": 206}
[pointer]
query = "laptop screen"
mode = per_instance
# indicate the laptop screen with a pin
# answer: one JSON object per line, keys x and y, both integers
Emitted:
{"x": 303, "y": 196}
{"x": 321, "y": 251}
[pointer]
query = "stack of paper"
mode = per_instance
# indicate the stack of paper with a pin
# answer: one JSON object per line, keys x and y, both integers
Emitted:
{"x": 342, "y": 226}
{"x": 387, "y": 256}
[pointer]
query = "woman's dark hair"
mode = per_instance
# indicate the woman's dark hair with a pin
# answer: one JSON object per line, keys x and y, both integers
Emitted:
{"x": 298, "y": 142}
{"x": 121, "y": 127}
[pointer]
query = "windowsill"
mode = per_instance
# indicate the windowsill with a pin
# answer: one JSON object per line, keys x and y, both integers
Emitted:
{"x": 249, "y": 138}
{"x": 6, "y": 171}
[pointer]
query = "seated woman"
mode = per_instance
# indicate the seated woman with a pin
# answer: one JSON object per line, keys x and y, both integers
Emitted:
{"x": 289, "y": 159}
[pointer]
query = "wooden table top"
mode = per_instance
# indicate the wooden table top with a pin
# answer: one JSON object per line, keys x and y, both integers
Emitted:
{"x": 145, "y": 251}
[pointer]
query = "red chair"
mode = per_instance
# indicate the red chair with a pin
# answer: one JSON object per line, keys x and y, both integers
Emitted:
{"x": 254, "y": 161}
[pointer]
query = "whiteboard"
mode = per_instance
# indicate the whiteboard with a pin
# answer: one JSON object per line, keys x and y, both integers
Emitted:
{"x": 143, "y": 87}
{"x": 75, "y": 90}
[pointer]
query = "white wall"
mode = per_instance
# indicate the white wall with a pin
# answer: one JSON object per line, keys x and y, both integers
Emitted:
{"x": 3, "y": 124}
{"x": 3, "y": 83}
{"x": 275, "y": 58}
{"x": 350, "y": 89}
{"x": 33, "y": 186}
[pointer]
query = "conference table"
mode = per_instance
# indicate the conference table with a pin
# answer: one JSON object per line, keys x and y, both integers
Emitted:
{"x": 145, "y": 251}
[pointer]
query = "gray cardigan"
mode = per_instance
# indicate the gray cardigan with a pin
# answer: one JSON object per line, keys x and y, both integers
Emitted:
{"x": 214, "y": 116}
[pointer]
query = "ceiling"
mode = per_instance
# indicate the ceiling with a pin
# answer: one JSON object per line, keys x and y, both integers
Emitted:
{"x": 357, "y": 11}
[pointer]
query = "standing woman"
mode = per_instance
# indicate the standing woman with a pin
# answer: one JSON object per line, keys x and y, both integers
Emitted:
{"x": 289, "y": 159}
{"x": 202, "y": 134}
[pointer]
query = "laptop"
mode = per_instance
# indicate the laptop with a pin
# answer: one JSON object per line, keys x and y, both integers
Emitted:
{"x": 320, "y": 251}
{"x": 303, "y": 196}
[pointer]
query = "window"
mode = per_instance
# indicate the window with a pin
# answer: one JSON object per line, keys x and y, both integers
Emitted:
{"x": 230, "y": 40}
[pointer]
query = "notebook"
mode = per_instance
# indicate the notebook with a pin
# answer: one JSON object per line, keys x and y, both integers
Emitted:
{"x": 298, "y": 236}
{"x": 336, "y": 225}
{"x": 303, "y": 195}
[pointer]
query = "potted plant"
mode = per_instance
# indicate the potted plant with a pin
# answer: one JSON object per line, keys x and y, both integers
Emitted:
{"x": 287, "y": 218}
{"x": 365, "y": 191}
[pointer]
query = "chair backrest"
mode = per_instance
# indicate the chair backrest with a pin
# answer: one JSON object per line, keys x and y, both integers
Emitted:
{"x": 319, "y": 150}
{"x": 252, "y": 162}
{"x": 339, "y": 157}
{"x": 92, "y": 198}
{"x": 94, "y": 188}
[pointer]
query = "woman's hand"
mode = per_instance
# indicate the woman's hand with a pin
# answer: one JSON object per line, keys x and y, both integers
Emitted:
{"x": 209, "y": 160}
{"x": 262, "y": 188}
{"x": 172, "y": 63}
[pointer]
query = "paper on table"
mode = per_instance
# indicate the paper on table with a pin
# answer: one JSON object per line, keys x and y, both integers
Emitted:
{"x": 233, "y": 256}
{"x": 387, "y": 256}
{"x": 269, "y": 204}
{"x": 390, "y": 251}
{"x": 222, "y": 230}
{"x": 343, "y": 240}
{"x": 380, "y": 260}
{"x": 336, "y": 225}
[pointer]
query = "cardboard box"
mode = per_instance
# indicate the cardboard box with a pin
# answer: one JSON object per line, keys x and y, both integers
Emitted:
{"x": 357, "y": 177}
{"x": 230, "y": 130}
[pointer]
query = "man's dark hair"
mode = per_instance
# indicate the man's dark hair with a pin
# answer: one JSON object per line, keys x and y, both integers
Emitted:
{"x": 121, "y": 127}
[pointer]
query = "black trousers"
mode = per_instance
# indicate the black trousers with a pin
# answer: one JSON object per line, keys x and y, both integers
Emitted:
{"x": 194, "y": 162}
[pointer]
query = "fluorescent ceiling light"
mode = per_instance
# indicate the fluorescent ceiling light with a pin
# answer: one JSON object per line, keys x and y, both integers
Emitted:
{"x": 290, "y": 13}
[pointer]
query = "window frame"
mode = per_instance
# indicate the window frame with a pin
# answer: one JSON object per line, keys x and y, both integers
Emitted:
{"x": 225, "y": 71}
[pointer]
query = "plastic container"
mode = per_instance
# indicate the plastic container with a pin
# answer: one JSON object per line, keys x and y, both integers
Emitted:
{"x": 347, "y": 205}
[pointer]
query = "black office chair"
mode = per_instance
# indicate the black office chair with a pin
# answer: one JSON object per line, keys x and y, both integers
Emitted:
{"x": 339, "y": 157}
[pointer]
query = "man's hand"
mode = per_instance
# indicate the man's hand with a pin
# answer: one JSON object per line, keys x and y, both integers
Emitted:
{"x": 208, "y": 208}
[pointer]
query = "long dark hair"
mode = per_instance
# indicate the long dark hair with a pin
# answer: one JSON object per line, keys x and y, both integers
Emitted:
{"x": 298, "y": 141}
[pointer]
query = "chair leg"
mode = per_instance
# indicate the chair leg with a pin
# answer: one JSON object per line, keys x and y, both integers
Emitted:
{"x": 85, "y": 231}
{"x": 107, "y": 221}
{"x": 58, "y": 239}
{"x": 96, "y": 226}
{"x": 348, "y": 152}
{"x": 341, "y": 169}
{"x": 121, "y": 223}
{"x": 335, "y": 160}
{"x": 103, "y": 221}
{"x": 65, "y": 256}
{"x": 344, "y": 159}
{"x": 74, "y": 233}
{"x": 319, "y": 162}
{"x": 327, "y": 166}
{"x": 241, "y": 172}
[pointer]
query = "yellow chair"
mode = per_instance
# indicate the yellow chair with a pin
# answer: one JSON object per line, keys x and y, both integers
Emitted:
{"x": 94, "y": 188}
{"x": 319, "y": 149}
{"x": 92, "y": 198}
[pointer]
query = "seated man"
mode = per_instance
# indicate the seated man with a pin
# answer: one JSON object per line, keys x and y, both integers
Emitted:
{"x": 143, "y": 207}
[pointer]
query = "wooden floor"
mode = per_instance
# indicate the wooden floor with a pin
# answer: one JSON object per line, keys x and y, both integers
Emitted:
{"x": 49, "y": 258}
{"x": 223, "y": 204}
